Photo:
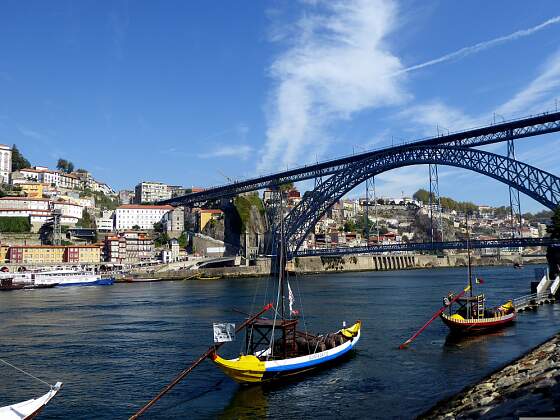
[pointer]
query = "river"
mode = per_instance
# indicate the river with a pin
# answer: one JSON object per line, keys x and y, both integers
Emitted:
{"x": 114, "y": 347}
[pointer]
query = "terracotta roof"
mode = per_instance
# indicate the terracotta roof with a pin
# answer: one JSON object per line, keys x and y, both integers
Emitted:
{"x": 147, "y": 207}
{"x": 211, "y": 211}
{"x": 24, "y": 199}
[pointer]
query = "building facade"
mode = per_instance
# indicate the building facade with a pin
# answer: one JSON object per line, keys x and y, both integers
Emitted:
{"x": 5, "y": 163}
{"x": 151, "y": 192}
{"x": 143, "y": 217}
{"x": 129, "y": 247}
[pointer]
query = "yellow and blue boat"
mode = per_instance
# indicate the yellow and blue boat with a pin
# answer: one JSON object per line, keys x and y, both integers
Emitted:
{"x": 296, "y": 354}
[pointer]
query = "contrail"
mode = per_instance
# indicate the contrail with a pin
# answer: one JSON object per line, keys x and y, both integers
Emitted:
{"x": 463, "y": 52}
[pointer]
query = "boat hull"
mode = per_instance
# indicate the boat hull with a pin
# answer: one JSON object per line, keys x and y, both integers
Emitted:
{"x": 251, "y": 370}
{"x": 478, "y": 326}
{"x": 29, "y": 409}
{"x": 98, "y": 282}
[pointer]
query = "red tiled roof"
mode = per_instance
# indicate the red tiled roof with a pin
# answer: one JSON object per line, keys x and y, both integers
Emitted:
{"x": 140, "y": 206}
{"x": 24, "y": 199}
{"x": 211, "y": 211}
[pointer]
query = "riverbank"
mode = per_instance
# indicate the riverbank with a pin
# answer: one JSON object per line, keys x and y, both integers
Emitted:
{"x": 529, "y": 386}
{"x": 342, "y": 264}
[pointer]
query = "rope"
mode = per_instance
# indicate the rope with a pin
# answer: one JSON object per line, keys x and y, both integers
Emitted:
{"x": 26, "y": 373}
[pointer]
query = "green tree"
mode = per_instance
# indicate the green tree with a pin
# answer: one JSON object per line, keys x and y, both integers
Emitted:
{"x": 422, "y": 195}
{"x": 182, "y": 240}
{"x": 65, "y": 165}
{"x": 18, "y": 161}
{"x": 349, "y": 226}
{"x": 135, "y": 227}
{"x": 554, "y": 227}
{"x": 86, "y": 221}
{"x": 158, "y": 227}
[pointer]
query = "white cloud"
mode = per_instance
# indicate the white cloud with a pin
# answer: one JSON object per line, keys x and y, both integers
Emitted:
{"x": 466, "y": 51}
{"x": 241, "y": 151}
{"x": 27, "y": 132}
{"x": 539, "y": 95}
{"x": 337, "y": 65}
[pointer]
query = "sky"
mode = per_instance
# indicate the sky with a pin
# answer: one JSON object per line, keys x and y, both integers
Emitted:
{"x": 195, "y": 93}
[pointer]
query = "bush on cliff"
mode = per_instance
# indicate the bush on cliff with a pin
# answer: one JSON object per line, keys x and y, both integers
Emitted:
{"x": 15, "y": 224}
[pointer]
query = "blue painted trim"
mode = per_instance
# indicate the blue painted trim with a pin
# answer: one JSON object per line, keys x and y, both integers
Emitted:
{"x": 311, "y": 362}
{"x": 101, "y": 282}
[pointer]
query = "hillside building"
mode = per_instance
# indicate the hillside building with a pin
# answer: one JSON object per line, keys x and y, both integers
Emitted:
{"x": 5, "y": 163}
{"x": 151, "y": 192}
{"x": 144, "y": 217}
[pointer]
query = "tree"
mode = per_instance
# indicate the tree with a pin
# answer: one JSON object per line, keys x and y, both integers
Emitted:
{"x": 135, "y": 227}
{"x": 18, "y": 161}
{"x": 422, "y": 195}
{"x": 554, "y": 227}
{"x": 65, "y": 165}
{"x": 349, "y": 226}
{"x": 158, "y": 227}
{"x": 86, "y": 221}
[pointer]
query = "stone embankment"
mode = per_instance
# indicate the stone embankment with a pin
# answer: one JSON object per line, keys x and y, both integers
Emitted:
{"x": 319, "y": 265}
{"x": 529, "y": 386}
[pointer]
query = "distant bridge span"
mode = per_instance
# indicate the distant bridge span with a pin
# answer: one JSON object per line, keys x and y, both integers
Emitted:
{"x": 540, "y": 185}
{"x": 495, "y": 133}
{"x": 427, "y": 246}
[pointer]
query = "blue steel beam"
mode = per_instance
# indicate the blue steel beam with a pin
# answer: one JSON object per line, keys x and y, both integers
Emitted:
{"x": 542, "y": 186}
{"x": 427, "y": 246}
{"x": 509, "y": 130}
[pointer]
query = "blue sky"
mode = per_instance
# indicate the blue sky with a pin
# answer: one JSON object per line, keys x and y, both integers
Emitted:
{"x": 190, "y": 92}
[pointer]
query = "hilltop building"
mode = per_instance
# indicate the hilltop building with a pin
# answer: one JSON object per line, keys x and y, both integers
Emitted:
{"x": 151, "y": 192}
{"x": 5, "y": 163}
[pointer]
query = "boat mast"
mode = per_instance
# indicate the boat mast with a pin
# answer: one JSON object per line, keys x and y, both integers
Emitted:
{"x": 282, "y": 260}
{"x": 469, "y": 252}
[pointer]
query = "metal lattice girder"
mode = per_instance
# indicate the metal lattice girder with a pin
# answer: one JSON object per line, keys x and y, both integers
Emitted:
{"x": 495, "y": 133}
{"x": 542, "y": 186}
{"x": 514, "y": 199}
{"x": 436, "y": 223}
{"x": 427, "y": 246}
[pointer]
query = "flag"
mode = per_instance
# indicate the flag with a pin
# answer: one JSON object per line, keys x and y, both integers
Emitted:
{"x": 224, "y": 332}
{"x": 291, "y": 301}
{"x": 478, "y": 280}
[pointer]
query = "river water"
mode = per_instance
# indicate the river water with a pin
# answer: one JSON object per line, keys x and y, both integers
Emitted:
{"x": 114, "y": 347}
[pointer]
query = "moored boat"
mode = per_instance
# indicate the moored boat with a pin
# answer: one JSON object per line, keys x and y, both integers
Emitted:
{"x": 275, "y": 348}
{"x": 67, "y": 277}
{"x": 7, "y": 284}
{"x": 300, "y": 354}
{"x": 31, "y": 408}
{"x": 467, "y": 313}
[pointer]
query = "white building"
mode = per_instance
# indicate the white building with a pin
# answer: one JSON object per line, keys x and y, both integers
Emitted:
{"x": 128, "y": 216}
{"x": 25, "y": 203}
{"x": 105, "y": 222}
{"x": 5, "y": 163}
{"x": 69, "y": 209}
{"x": 150, "y": 192}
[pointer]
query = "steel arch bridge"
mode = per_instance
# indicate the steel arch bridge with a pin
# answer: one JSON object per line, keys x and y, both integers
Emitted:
{"x": 540, "y": 185}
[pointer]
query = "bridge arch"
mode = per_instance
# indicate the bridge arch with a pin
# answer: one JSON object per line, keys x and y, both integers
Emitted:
{"x": 542, "y": 186}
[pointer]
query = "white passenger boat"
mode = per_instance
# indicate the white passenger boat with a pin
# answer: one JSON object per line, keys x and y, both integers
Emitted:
{"x": 29, "y": 409}
{"x": 68, "y": 277}
{"x": 58, "y": 277}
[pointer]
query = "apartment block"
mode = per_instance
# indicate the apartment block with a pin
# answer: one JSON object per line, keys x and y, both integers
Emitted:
{"x": 151, "y": 192}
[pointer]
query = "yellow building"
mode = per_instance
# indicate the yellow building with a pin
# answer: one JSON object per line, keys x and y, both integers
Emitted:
{"x": 83, "y": 254}
{"x": 205, "y": 215}
{"x": 4, "y": 253}
{"x": 37, "y": 254}
{"x": 53, "y": 254}
{"x": 32, "y": 190}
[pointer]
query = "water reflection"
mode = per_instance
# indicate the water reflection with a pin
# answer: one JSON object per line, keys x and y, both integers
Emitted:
{"x": 248, "y": 402}
{"x": 465, "y": 341}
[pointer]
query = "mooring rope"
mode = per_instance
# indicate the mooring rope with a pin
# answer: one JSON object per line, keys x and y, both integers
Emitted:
{"x": 26, "y": 373}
